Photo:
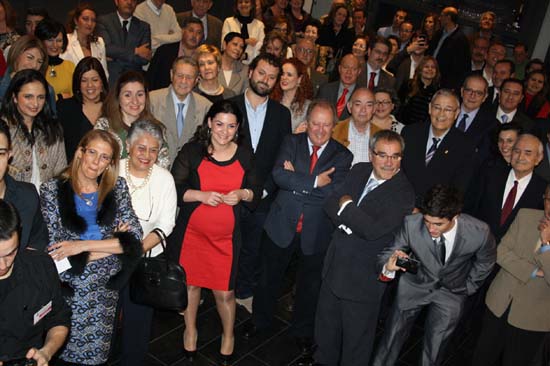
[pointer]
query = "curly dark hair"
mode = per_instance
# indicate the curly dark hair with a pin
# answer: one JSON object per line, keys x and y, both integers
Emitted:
{"x": 75, "y": 14}
{"x": 44, "y": 121}
{"x": 332, "y": 13}
{"x": 202, "y": 134}
{"x": 443, "y": 201}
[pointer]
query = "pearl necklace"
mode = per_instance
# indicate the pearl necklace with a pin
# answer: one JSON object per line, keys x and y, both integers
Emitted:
{"x": 131, "y": 184}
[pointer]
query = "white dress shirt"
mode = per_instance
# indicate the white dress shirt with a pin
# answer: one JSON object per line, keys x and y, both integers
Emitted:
{"x": 522, "y": 184}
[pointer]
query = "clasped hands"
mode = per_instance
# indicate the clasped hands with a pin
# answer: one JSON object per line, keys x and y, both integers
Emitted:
{"x": 213, "y": 199}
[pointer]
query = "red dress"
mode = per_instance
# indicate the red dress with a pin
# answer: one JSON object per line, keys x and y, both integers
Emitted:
{"x": 208, "y": 252}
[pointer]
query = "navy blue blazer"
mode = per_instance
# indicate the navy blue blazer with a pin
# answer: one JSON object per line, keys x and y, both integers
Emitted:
{"x": 296, "y": 195}
{"x": 122, "y": 53}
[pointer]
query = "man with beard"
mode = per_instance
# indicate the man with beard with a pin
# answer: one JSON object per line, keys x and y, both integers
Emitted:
{"x": 265, "y": 124}
{"x": 308, "y": 169}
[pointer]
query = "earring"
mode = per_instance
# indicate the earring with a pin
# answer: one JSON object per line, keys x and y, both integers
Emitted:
{"x": 209, "y": 132}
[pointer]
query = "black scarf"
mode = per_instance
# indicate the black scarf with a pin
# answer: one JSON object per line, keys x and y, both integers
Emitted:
{"x": 54, "y": 60}
{"x": 245, "y": 21}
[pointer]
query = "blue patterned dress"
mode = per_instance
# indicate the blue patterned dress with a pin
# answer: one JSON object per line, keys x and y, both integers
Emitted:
{"x": 93, "y": 305}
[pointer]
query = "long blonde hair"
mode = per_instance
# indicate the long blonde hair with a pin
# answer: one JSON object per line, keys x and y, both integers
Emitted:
{"x": 109, "y": 176}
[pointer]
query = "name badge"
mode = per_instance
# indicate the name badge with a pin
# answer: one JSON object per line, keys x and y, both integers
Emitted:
{"x": 42, "y": 312}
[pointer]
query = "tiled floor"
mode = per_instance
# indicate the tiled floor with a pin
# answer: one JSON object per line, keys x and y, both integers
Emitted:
{"x": 273, "y": 349}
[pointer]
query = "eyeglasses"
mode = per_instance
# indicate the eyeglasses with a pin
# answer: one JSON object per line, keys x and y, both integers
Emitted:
{"x": 309, "y": 51}
{"x": 438, "y": 109}
{"x": 385, "y": 103}
{"x": 92, "y": 153}
{"x": 383, "y": 155}
{"x": 477, "y": 93}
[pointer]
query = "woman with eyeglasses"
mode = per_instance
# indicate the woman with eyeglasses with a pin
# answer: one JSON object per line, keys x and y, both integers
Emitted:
{"x": 37, "y": 136}
{"x": 383, "y": 118}
{"x": 214, "y": 176}
{"x": 127, "y": 102}
{"x": 92, "y": 226}
{"x": 154, "y": 200}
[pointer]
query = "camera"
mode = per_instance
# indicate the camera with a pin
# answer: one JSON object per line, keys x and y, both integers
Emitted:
{"x": 20, "y": 362}
{"x": 410, "y": 264}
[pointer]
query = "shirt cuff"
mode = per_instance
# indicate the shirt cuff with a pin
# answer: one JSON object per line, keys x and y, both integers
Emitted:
{"x": 389, "y": 274}
{"x": 343, "y": 207}
{"x": 534, "y": 274}
{"x": 264, "y": 194}
{"x": 315, "y": 183}
{"x": 345, "y": 229}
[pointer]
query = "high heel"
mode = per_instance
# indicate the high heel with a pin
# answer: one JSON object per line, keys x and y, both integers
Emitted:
{"x": 226, "y": 360}
{"x": 190, "y": 356}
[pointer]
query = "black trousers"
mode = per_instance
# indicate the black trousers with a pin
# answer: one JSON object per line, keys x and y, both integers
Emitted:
{"x": 252, "y": 224}
{"x": 275, "y": 261}
{"x": 499, "y": 339}
{"x": 344, "y": 330}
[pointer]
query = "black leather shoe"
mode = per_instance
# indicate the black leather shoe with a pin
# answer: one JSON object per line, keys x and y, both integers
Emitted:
{"x": 226, "y": 360}
{"x": 190, "y": 356}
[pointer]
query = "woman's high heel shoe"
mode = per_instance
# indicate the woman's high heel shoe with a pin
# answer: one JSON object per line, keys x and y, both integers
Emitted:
{"x": 226, "y": 360}
{"x": 190, "y": 356}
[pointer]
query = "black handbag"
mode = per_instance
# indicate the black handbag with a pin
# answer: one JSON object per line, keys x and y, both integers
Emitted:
{"x": 159, "y": 283}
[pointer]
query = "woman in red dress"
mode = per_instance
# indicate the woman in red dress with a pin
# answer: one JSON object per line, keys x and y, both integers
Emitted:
{"x": 213, "y": 175}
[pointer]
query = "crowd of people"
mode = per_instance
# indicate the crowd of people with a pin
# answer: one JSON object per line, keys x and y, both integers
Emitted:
{"x": 404, "y": 170}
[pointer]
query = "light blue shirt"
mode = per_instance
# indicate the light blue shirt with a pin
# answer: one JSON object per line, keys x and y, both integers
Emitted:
{"x": 471, "y": 116}
{"x": 431, "y": 136}
{"x": 256, "y": 119}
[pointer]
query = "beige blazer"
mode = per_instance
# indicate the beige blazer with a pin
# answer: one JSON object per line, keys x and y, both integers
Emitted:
{"x": 162, "y": 107}
{"x": 74, "y": 52}
{"x": 528, "y": 298}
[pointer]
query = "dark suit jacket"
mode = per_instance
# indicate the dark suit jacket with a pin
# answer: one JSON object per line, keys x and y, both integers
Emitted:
{"x": 526, "y": 123}
{"x": 122, "y": 53}
{"x": 480, "y": 132}
{"x": 543, "y": 169}
{"x": 350, "y": 268}
{"x": 296, "y": 195}
{"x": 452, "y": 163}
{"x": 276, "y": 126}
{"x": 214, "y": 36}
{"x": 471, "y": 260}
{"x": 453, "y": 58}
{"x": 158, "y": 73}
{"x": 385, "y": 80}
{"x": 329, "y": 92}
{"x": 491, "y": 195}
{"x": 489, "y": 101}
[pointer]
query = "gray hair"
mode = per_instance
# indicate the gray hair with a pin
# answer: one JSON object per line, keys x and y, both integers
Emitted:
{"x": 540, "y": 146}
{"x": 389, "y": 136}
{"x": 445, "y": 93}
{"x": 142, "y": 127}
{"x": 322, "y": 103}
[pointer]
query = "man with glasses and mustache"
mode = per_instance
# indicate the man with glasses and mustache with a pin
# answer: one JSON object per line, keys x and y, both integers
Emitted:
{"x": 265, "y": 124}
{"x": 372, "y": 75}
{"x": 350, "y": 296}
{"x": 436, "y": 151}
{"x": 305, "y": 51}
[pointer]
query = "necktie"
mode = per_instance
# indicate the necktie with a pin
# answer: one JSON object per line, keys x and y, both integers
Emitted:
{"x": 341, "y": 103}
{"x": 462, "y": 123}
{"x": 504, "y": 118}
{"x": 124, "y": 30}
{"x": 369, "y": 187}
{"x": 180, "y": 119}
{"x": 509, "y": 204}
{"x": 432, "y": 149}
{"x": 371, "y": 80}
{"x": 313, "y": 160}
{"x": 495, "y": 97}
{"x": 441, "y": 248}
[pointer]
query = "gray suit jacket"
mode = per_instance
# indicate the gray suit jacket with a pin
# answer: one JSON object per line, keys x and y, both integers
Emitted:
{"x": 239, "y": 78}
{"x": 162, "y": 107}
{"x": 385, "y": 80}
{"x": 471, "y": 260}
{"x": 329, "y": 92}
{"x": 122, "y": 53}
{"x": 214, "y": 32}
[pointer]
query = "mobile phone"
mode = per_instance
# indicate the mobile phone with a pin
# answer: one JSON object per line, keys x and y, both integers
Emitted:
{"x": 410, "y": 264}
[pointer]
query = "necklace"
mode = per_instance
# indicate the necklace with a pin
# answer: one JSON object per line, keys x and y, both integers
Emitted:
{"x": 131, "y": 184}
{"x": 53, "y": 73}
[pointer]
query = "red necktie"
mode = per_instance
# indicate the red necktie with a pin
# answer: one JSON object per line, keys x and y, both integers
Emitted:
{"x": 509, "y": 204}
{"x": 341, "y": 103}
{"x": 312, "y": 162}
{"x": 371, "y": 80}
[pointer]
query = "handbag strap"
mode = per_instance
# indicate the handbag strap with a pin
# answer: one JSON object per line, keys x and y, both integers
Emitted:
{"x": 162, "y": 237}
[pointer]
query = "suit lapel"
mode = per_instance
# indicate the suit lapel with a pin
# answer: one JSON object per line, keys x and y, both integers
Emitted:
{"x": 246, "y": 126}
{"x": 169, "y": 114}
{"x": 459, "y": 241}
{"x": 190, "y": 116}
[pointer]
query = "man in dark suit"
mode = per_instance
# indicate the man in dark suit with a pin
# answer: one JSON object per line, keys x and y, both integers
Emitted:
{"x": 305, "y": 52}
{"x": 516, "y": 319}
{"x": 519, "y": 183}
{"x": 339, "y": 92}
{"x": 456, "y": 253}
{"x": 212, "y": 25}
{"x": 504, "y": 69}
{"x": 158, "y": 74}
{"x": 127, "y": 39}
{"x": 309, "y": 167}
{"x": 451, "y": 49}
{"x": 350, "y": 296}
{"x": 511, "y": 95}
{"x": 436, "y": 151}
{"x": 480, "y": 46}
{"x": 543, "y": 169}
{"x": 372, "y": 75}
{"x": 476, "y": 122}
{"x": 265, "y": 124}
